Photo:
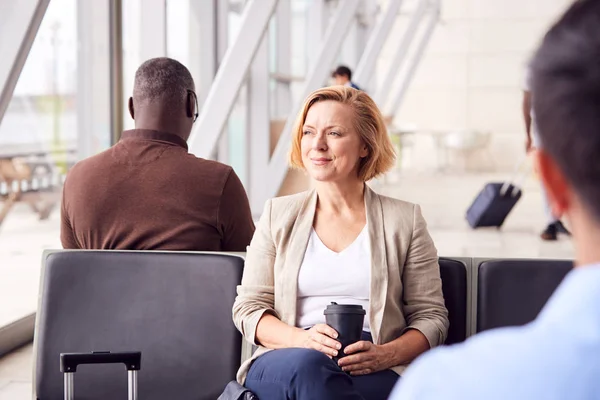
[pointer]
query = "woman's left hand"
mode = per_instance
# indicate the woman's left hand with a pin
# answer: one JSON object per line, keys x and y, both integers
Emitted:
{"x": 364, "y": 358}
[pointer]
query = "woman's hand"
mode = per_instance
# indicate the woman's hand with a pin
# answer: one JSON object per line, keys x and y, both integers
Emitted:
{"x": 320, "y": 337}
{"x": 364, "y": 358}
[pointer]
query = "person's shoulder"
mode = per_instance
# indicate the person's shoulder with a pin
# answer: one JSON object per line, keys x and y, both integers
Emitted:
{"x": 90, "y": 166}
{"x": 512, "y": 362}
{"x": 457, "y": 371}
{"x": 283, "y": 212}
{"x": 289, "y": 204}
{"x": 215, "y": 167}
{"x": 395, "y": 205}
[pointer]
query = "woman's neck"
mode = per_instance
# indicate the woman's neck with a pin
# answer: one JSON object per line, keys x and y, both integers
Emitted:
{"x": 338, "y": 197}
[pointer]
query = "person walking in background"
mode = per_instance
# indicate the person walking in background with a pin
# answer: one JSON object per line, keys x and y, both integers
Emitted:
{"x": 343, "y": 77}
{"x": 555, "y": 225}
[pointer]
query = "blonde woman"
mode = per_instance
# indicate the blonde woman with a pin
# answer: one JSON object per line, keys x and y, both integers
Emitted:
{"x": 340, "y": 242}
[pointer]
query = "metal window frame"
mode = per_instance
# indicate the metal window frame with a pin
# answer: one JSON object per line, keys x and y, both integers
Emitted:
{"x": 116, "y": 69}
{"x": 203, "y": 45}
{"x": 258, "y": 126}
{"x": 153, "y": 29}
{"x": 283, "y": 26}
{"x": 93, "y": 78}
{"x": 223, "y": 7}
{"x": 21, "y": 26}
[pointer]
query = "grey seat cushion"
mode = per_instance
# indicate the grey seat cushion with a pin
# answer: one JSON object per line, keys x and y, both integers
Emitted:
{"x": 173, "y": 307}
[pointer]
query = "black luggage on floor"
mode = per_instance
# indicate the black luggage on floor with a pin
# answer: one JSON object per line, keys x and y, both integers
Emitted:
{"x": 492, "y": 205}
{"x": 495, "y": 201}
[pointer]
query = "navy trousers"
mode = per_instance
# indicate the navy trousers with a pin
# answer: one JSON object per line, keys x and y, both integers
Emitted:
{"x": 304, "y": 374}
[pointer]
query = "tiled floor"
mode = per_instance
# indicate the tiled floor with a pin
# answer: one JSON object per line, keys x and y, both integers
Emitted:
{"x": 15, "y": 375}
{"x": 444, "y": 199}
{"x": 22, "y": 239}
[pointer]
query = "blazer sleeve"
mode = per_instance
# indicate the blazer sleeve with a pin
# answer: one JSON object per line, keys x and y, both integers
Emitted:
{"x": 424, "y": 305}
{"x": 256, "y": 294}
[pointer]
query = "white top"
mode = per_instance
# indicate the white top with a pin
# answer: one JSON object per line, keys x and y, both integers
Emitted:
{"x": 326, "y": 276}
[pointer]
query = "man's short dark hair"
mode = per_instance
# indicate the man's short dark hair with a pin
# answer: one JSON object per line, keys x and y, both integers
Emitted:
{"x": 342, "y": 70}
{"x": 162, "y": 80}
{"x": 566, "y": 98}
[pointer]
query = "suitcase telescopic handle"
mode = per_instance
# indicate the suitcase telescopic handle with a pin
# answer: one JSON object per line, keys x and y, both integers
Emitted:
{"x": 70, "y": 361}
{"x": 519, "y": 174}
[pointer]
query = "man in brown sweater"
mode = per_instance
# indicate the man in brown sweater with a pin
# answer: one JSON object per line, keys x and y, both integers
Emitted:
{"x": 147, "y": 192}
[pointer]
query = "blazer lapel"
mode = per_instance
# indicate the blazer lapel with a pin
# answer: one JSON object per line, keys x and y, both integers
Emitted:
{"x": 379, "y": 268}
{"x": 295, "y": 255}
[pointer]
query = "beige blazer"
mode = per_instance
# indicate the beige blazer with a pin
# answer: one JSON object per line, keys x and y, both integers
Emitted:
{"x": 406, "y": 289}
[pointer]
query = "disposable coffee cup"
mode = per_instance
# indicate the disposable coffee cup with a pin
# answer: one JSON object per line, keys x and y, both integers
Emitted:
{"x": 347, "y": 320}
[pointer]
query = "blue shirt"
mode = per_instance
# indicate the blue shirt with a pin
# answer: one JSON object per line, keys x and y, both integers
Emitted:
{"x": 557, "y": 356}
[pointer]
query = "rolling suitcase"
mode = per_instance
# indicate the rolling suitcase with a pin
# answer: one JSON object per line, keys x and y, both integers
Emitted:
{"x": 495, "y": 201}
{"x": 70, "y": 361}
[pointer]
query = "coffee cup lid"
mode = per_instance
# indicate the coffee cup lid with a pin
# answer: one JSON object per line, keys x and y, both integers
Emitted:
{"x": 335, "y": 308}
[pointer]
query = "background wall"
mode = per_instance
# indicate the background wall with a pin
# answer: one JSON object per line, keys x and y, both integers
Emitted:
{"x": 472, "y": 72}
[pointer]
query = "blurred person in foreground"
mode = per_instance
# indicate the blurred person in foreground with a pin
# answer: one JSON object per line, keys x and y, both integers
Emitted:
{"x": 555, "y": 225}
{"x": 147, "y": 192}
{"x": 344, "y": 243}
{"x": 343, "y": 77}
{"x": 557, "y": 355}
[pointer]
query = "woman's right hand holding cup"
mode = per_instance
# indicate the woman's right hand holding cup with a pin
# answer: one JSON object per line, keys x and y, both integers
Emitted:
{"x": 320, "y": 337}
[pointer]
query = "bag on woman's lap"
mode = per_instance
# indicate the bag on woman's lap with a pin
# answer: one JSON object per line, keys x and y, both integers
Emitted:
{"x": 235, "y": 391}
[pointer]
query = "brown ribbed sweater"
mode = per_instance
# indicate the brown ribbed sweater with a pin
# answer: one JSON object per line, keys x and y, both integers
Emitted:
{"x": 148, "y": 193}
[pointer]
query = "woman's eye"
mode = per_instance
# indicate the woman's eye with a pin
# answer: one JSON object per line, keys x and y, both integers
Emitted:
{"x": 334, "y": 133}
{"x": 306, "y": 133}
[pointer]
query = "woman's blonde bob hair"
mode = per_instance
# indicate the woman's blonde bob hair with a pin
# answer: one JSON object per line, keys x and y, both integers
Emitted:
{"x": 368, "y": 123}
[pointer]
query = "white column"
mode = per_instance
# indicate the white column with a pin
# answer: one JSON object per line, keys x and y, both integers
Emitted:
{"x": 283, "y": 22}
{"x": 93, "y": 80}
{"x": 19, "y": 24}
{"x": 153, "y": 29}
{"x": 349, "y": 54}
{"x": 203, "y": 45}
{"x": 222, "y": 18}
{"x": 258, "y": 130}
{"x": 317, "y": 20}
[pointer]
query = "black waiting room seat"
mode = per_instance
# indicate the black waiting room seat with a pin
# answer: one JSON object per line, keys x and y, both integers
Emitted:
{"x": 513, "y": 292}
{"x": 454, "y": 286}
{"x": 173, "y": 307}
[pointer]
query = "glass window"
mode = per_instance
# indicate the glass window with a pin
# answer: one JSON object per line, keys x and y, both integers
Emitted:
{"x": 38, "y": 143}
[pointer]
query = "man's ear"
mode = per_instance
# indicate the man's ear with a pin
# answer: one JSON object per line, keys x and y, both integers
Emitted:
{"x": 558, "y": 190}
{"x": 190, "y": 105}
{"x": 130, "y": 106}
